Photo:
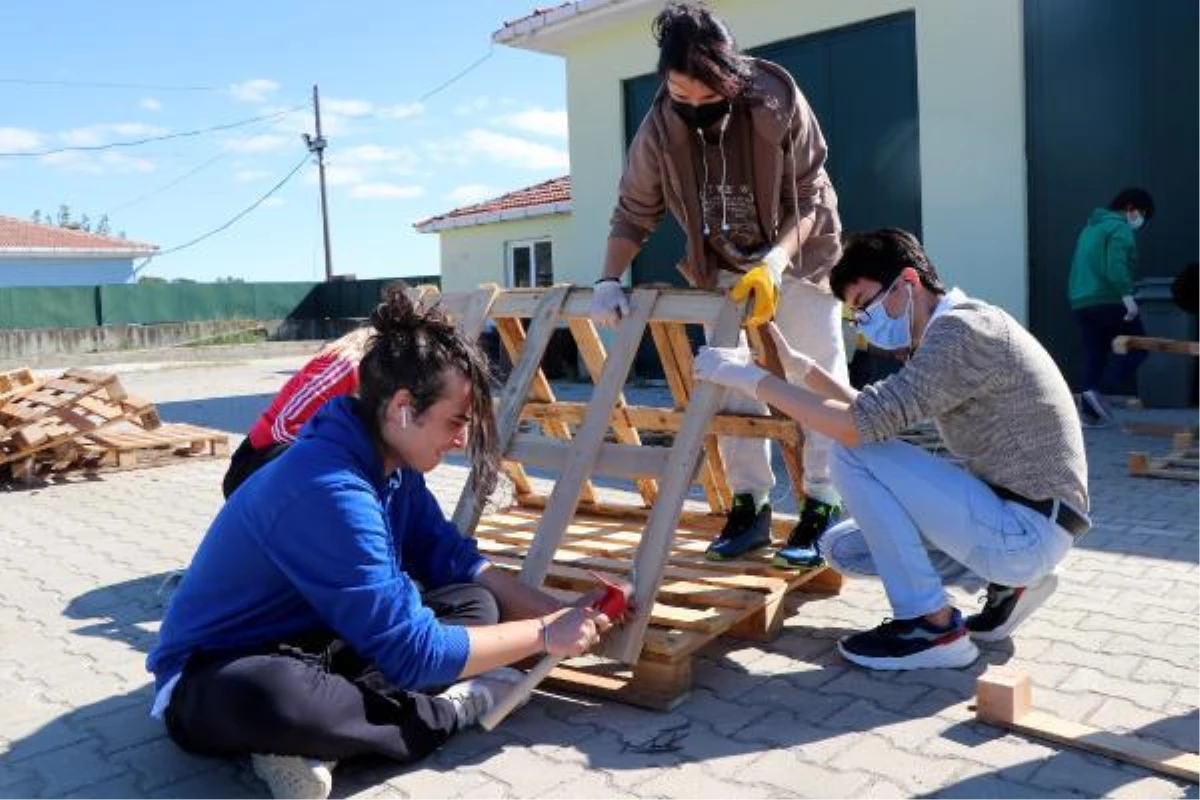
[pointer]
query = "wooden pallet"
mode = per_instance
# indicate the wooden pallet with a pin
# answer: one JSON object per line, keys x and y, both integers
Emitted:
{"x": 1182, "y": 463}
{"x": 123, "y": 447}
{"x": 697, "y": 601}
{"x": 552, "y": 539}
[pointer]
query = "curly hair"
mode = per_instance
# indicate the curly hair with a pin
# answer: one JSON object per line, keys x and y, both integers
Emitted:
{"x": 411, "y": 348}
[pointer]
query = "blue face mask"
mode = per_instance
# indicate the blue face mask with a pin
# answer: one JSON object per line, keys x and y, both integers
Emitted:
{"x": 884, "y": 331}
{"x": 1136, "y": 220}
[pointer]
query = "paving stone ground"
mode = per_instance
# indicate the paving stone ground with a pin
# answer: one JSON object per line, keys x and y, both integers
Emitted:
{"x": 1117, "y": 647}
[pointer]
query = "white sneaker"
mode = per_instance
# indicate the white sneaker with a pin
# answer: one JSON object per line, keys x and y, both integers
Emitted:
{"x": 1098, "y": 406}
{"x": 295, "y": 776}
{"x": 476, "y": 696}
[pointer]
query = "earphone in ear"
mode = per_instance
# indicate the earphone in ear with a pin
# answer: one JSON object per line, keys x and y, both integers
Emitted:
{"x": 403, "y": 416}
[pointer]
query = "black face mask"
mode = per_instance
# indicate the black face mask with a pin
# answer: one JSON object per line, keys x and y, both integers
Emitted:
{"x": 703, "y": 115}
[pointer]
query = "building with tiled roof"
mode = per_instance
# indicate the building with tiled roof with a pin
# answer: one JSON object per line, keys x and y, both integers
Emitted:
{"x": 549, "y": 197}
{"x": 32, "y": 254}
{"x": 511, "y": 240}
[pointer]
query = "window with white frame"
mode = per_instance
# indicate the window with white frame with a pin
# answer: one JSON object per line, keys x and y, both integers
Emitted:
{"x": 530, "y": 263}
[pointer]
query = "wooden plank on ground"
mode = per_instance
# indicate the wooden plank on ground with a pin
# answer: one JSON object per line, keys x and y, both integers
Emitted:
{"x": 1123, "y": 344}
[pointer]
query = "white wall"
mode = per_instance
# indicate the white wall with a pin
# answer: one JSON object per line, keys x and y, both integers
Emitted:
{"x": 475, "y": 255}
{"x": 64, "y": 271}
{"x": 970, "y": 82}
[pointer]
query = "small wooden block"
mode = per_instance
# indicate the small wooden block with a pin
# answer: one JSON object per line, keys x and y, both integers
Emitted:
{"x": 1003, "y": 695}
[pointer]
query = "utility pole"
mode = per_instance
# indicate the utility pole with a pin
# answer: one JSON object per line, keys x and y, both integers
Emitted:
{"x": 317, "y": 145}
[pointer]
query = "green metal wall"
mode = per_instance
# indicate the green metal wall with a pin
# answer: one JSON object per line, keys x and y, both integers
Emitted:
{"x": 148, "y": 304}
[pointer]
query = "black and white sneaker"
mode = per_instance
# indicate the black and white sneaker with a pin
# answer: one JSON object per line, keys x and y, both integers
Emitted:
{"x": 1095, "y": 403}
{"x": 900, "y": 644}
{"x": 1006, "y": 607}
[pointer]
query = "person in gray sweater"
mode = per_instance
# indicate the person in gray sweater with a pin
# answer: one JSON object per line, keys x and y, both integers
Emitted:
{"x": 1006, "y": 514}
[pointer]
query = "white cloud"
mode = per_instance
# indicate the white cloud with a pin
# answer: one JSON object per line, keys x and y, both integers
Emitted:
{"x": 402, "y": 111}
{"x": 472, "y": 193}
{"x": 256, "y": 90}
{"x": 150, "y": 104}
{"x": 348, "y": 108}
{"x": 98, "y": 164}
{"x": 398, "y": 160}
{"x": 514, "y": 151}
{"x": 250, "y": 175}
{"x": 273, "y": 202}
{"x": 385, "y": 191}
{"x": 19, "y": 140}
{"x": 338, "y": 175}
{"x": 539, "y": 121}
{"x": 94, "y": 135}
{"x": 263, "y": 143}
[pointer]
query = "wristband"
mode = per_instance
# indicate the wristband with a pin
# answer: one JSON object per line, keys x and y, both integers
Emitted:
{"x": 545, "y": 637}
{"x": 606, "y": 280}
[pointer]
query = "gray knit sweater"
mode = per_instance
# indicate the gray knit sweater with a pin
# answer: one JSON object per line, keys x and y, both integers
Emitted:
{"x": 998, "y": 399}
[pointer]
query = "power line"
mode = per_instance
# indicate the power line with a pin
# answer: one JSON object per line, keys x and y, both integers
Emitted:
{"x": 237, "y": 216}
{"x": 149, "y": 139}
{"x": 462, "y": 74}
{"x": 220, "y": 154}
{"x": 104, "y": 85}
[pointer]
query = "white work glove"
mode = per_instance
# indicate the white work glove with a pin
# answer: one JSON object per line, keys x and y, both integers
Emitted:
{"x": 729, "y": 366}
{"x": 777, "y": 261}
{"x": 609, "y": 304}
{"x": 795, "y": 364}
{"x": 1131, "y": 308}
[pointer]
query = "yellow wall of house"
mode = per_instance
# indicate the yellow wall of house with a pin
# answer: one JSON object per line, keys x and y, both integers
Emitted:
{"x": 971, "y": 115}
{"x": 475, "y": 255}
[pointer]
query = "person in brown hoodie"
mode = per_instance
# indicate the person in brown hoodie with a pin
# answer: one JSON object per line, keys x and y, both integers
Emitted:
{"x": 731, "y": 148}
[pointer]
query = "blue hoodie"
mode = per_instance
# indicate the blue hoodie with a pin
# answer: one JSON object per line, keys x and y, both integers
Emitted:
{"x": 320, "y": 538}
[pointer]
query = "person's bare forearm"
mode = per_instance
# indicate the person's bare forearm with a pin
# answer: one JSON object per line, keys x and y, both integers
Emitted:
{"x": 495, "y": 646}
{"x": 515, "y": 599}
{"x": 618, "y": 255}
{"x": 820, "y": 382}
{"x": 823, "y": 415}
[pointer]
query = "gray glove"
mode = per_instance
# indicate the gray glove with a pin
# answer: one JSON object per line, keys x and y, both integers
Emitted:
{"x": 609, "y": 304}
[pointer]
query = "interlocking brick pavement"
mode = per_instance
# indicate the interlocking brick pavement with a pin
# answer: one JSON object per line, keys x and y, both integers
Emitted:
{"x": 1118, "y": 647}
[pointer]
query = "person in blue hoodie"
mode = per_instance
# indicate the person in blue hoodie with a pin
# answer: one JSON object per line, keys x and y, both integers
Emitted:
{"x": 331, "y": 610}
{"x": 1100, "y": 288}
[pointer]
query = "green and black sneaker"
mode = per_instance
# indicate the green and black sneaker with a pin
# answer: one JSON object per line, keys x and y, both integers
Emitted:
{"x": 746, "y": 529}
{"x": 801, "y": 551}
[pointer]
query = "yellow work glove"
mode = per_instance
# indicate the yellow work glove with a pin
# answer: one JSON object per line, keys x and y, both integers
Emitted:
{"x": 761, "y": 285}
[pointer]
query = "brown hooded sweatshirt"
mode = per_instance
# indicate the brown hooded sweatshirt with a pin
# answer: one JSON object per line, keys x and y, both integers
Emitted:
{"x": 788, "y": 176}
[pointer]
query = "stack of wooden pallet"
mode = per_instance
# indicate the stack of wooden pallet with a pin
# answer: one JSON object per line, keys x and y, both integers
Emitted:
{"x": 1182, "y": 463}
{"x": 84, "y": 421}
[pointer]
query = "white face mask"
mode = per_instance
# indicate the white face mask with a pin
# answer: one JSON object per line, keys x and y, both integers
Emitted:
{"x": 884, "y": 331}
{"x": 1136, "y": 220}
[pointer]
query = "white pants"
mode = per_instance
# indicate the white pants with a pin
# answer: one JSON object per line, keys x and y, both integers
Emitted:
{"x": 810, "y": 319}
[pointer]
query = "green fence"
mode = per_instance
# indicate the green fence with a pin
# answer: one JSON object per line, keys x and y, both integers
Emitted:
{"x": 151, "y": 303}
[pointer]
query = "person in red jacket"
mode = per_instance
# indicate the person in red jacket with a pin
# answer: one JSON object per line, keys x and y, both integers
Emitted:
{"x": 332, "y": 372}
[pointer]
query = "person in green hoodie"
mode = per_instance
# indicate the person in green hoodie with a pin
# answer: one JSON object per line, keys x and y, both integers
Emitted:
{"x": 1100, "y": 288}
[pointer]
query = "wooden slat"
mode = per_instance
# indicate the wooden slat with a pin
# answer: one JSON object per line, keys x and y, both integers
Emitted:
{"x": 1123, "y": 344}
{"x": 591, "y": 350}
{"x": 470, "y": 503}
{"x": 652, "y": 555}
{"x": 769, "y": 355}
{"x": 512, "y": 336}
{"x": 675, "y": 305}
{"x": 565, "y": 496}
{"x": 615, "y": 460}
{"x": 651, "y": 418}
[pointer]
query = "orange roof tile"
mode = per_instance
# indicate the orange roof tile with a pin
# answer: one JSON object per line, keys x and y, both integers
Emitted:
{"x": 548, "y": 193}
{"x": 18, "y": 235}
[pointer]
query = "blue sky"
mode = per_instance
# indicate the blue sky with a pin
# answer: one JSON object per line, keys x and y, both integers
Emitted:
{"x": 392, "y": 159}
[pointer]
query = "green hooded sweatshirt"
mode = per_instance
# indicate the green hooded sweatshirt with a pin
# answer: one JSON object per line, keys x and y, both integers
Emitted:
{"x": 1105, "y": 261}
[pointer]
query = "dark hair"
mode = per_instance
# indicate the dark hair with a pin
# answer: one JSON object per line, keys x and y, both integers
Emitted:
{"x": 696, "y": 42}
{"x": 1185, "y": 289}
{"x": 1133, "y": 198}
{"x": 881, "y": 256}
{"x": 411, "y": 349}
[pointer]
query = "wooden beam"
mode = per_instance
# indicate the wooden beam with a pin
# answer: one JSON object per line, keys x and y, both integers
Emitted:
{"x": 615, "y": 460}
{"x": 1123, "y": 344}
{"x": 696, "y": 306}
{"x": 589, "y": 438}
{"x": 1004, "y": 697}
{"x": 769, "y": 358}
{"x": 655, "y": 548}
{"x": 591, "y": 350}
{"x": 470, "y": 502}
{"x": 652, "y": 418}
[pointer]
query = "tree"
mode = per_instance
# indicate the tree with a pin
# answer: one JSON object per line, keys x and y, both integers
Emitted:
{"x": 230, "y": 279}
{"x": 64, "y": 216}
{"x": 63, "y": 219}
{"x": 103, "y": 228}
{"x": 145, "y": 279}
{"x": 36, "y": 216}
